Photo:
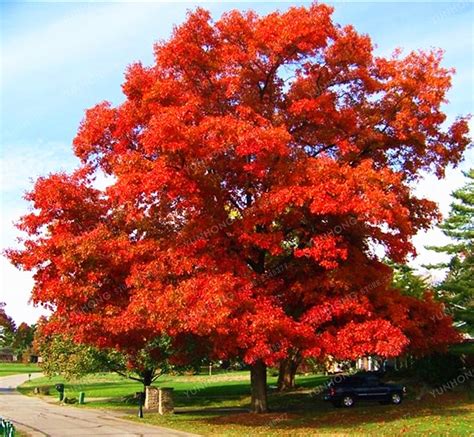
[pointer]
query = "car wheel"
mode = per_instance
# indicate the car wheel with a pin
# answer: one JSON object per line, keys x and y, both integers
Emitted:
{"x": 348, "y": 401}
{"x": 396, "y": 398}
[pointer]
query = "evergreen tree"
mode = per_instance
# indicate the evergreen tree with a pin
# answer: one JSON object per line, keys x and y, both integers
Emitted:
{"x": 7, "y": 327}
{"x": 408, "y": 281}
{"x": 457, "y": 288}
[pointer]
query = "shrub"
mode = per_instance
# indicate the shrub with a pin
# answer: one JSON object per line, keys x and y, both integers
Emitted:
{"x": 438, "y": 368}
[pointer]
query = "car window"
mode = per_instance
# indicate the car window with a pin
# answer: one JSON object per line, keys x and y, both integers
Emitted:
{"x": 351, "y": 380}
{"x": 356, "y": 381}
{"x": 372, "y": 381}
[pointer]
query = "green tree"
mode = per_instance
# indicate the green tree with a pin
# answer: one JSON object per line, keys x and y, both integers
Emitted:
{"x": 7, "y": 327}
{"x": 457, "y": 288}
{"x": 62, "y": 355}
{"x": 408, "y": 281}
{"x": 22, "y": 341}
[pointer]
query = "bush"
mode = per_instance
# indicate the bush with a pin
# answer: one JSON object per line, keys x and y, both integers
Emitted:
{"x": 70, "y": 400}
{"x": 273, "y": 371}
{"x": 438, "y": 369}
{"x": 129, "y": 399}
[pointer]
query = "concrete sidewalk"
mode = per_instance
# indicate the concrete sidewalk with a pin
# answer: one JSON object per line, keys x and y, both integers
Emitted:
{"x": 39, "y": 418}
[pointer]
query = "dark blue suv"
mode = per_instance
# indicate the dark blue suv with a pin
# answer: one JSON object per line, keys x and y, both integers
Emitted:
{"x": 345, "y": 391}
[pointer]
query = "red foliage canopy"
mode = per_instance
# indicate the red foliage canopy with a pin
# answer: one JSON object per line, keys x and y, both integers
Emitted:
{"x": 255, "y": 169}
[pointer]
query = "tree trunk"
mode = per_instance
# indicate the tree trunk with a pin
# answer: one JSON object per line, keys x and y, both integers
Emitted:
{"x": 147, "y": 378}
{"x": 258, "y": 380}
{"x": 287, "y": 373}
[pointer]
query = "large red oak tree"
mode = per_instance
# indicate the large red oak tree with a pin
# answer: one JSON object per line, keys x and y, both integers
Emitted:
{"x": 258, "y": 169}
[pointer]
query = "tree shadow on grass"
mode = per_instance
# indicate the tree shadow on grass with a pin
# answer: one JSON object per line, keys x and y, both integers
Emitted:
{"x": 201, "y": 395}
{"x": 317, "y": 414}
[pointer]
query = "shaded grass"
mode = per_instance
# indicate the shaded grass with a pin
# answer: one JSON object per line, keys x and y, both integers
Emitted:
{"x": 451, "y": 414}
{"x": 297, "y": 413}
{"x": 7, "y": 369}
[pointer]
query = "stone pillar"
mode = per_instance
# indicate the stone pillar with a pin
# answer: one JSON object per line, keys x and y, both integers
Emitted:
{"x": 151, "y": 398}
{"x": 166, "y": 405}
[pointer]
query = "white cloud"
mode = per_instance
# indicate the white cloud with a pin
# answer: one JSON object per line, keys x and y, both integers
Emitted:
{"x": 15, "y": 289}
{"x": 20, "y": 165}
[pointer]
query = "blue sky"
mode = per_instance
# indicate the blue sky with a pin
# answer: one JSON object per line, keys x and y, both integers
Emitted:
{"x": 59, "y": 58}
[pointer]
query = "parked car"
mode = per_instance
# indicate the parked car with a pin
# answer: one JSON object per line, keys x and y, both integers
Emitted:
{"x": 347, "y": 390}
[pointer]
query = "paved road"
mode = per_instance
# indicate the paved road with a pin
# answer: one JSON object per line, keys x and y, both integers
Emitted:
{"x": 39, "y": 418}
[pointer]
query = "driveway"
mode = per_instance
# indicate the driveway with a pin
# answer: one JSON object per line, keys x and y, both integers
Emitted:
{"x": 39, "y": 418}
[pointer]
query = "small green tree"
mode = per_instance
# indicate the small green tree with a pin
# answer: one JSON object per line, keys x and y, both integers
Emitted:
{"x": 7, "y": 328}
{"x": 61, "y": 355}
{"x": 23, "y": 337}
{"x": 457, "y": 288}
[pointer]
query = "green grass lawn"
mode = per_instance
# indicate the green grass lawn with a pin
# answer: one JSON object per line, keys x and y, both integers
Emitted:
{"x": 293, "y": 414}
{"x": 15, "y": 368}
{"x": 220, "y": 390}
